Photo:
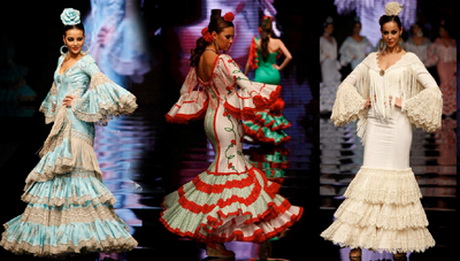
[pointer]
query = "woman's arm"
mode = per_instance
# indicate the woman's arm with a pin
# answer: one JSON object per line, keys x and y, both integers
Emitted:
{"x": 287, "y": 56}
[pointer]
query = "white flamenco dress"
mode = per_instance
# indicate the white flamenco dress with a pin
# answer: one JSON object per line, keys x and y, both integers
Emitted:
{"x": 382, "y": 210}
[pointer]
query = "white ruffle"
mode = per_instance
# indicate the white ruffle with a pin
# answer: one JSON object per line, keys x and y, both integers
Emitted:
{"x": 378, "y": 239}
{"x": 384, "y": 186}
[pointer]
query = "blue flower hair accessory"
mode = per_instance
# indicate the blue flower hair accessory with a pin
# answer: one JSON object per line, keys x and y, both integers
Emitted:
{"x": 70, "y": 16}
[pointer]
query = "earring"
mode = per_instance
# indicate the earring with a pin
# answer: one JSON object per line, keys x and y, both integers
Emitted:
{"x": 61, "y": 49}
{"x": 84, "y": 52}
{"x": 216, "y": 45}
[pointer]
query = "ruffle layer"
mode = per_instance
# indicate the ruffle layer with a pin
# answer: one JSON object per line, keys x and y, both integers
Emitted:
{"x": 270, "y": 120}
{"x": 425, "y": 109}
{"x": 56, "y": 241}
{"x": 103, "y": 100}
{"x": 68, "y": 153}
{"x": 227, "y": 207}
{"x": 88, "y": 212}
{"x": 386, "y": 216}
{"x": 190, "y": 106}
{"x": 379, "y": 239}
{"x": 192, "y": 103}
{"x": 245, "y": 102}
{"x": 382, "y": 211}
{"x": 244, "y": 97}
{"x": 265, "y": 134}
{"x": 384, "y": 186}
{"x": 77, "y": 188}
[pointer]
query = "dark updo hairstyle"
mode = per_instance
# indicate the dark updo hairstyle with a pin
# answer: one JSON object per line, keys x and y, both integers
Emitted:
{"x": 75, "y": 26}
{"x": 266, "y": 31}
{"x": 389, "y": 18}
{"x": 216, "y": 24}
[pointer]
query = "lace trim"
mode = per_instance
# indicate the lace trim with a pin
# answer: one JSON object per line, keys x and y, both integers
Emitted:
{"x": 67, "y": 215}
{"x": 348, "y": 105}
{"x": 109, "y": 245}
{"x": 107, "y": 111}
{"x": 384, "y": 186}
{"x": 391, "y": 241}
{"x": 385, "y": 216}
{"x": 425, "y": 110}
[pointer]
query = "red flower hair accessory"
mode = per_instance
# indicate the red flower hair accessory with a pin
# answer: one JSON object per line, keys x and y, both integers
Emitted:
{"x": 229, "y": 17}
{"x": 206, "y": 35}
{"x": 267, "y": 17}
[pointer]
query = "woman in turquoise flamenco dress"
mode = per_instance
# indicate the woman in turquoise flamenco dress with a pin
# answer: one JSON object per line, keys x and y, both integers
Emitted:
{"x": 69, "y": 209}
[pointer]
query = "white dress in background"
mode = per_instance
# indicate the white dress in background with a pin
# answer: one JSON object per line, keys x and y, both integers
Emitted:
{"x": 421, "y": 50}
{"x": 330, "y": 74}
{"x": 382, "y": 208}
{"x": 354, "y": 52}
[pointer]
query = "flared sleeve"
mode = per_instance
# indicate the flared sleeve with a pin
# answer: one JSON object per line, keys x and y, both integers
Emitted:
{"x": 192, "y": 103}
{"x": 244, "y": 97}
{"x": 48, "y": 106}
{"x": 349, "y": 103}
{"x": 103, "y": 99}
{"x": 424, "y": 109}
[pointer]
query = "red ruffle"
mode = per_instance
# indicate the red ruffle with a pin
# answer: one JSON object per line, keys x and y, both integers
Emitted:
{"x": 252, "y": 55}
{"x": 182, "y": 118}
{"x": 260, "y": 136}
{"x": 272, "y": 212}
{"x": 260, "y": 102}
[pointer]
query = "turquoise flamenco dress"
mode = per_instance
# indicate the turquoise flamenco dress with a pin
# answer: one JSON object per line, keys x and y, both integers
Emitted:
{"x": 268, "y": 125}
{"x": 69, "y": 209}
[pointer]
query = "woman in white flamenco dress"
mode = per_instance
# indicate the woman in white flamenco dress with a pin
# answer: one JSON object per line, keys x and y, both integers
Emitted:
{"x": 382, "y": 210}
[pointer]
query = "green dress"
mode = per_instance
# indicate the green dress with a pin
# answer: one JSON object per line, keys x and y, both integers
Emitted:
{"x": 267, "y": 128}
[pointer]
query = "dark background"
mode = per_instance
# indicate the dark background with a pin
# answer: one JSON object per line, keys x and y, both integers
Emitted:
{"x": 35, "y": 29}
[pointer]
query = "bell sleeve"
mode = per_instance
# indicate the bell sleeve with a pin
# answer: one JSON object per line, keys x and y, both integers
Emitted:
{"x": 424, "y": 110}
{"x": 48, "y": 106}
{"x": 244, "y": 97}
{"x": 349, "y": 103}
{"x": 103, "y": 99}
{"x": 192, "y": 103}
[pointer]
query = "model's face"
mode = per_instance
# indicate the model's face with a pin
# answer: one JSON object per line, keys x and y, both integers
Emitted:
{"x": 329, "y": 29}
{"x": 357, "y": 28}
{"x": 391, "y": 33}
{"x": 443, "y": 32}
{"x": 74, "y": 39}
{"x": 224, "y": 39}
{"x": 416, "y": 29}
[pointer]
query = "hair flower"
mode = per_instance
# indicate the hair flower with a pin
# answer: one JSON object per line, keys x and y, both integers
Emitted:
{"x": 267, "y": 17}
{"x": 229, "y": 17}
{"x": 206, "y": 35}
{"x": 393, "y": 8}
{"x": 70, "y": 16}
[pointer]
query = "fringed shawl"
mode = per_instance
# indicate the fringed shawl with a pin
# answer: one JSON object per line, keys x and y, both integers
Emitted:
{"x": 407, "y": 79}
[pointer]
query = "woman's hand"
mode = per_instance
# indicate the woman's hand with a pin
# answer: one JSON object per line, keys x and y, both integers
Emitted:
{"x": 398, "y": 102}
{"x": 67, "y": 100}
{"x": 367, "y": 104}
{"x": 277, "y": 67}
